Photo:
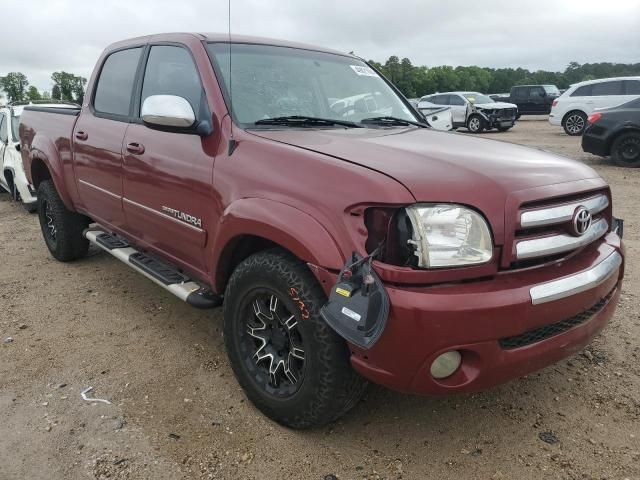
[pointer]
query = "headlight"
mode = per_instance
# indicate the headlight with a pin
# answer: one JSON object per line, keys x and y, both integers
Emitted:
{"x": 449, "y": 235}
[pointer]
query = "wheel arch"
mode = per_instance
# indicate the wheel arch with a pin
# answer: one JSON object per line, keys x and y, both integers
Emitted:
{"x": 45, "y": 164}
{"x": 573, "y": 110}
{"x": 620, "y": 132}
{"x": 252, "y": 225}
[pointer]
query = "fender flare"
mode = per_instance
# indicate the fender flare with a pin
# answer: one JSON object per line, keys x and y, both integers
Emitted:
{"x": 43, "y": 149}
{"x": 280, "y": 223}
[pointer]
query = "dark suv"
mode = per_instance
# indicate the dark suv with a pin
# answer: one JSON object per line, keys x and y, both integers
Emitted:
{"x": 532, "y": 99}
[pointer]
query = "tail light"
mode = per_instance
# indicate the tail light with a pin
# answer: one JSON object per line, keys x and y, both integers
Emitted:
{"x": 593, "y": 118}
{"x": 554, "y": 103}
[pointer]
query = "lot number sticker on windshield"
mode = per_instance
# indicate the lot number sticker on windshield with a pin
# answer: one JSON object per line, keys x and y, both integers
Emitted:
{"x": 363, "y": 70}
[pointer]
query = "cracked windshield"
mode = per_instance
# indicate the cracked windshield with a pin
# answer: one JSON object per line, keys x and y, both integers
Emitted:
{"x": 272, "y": 82}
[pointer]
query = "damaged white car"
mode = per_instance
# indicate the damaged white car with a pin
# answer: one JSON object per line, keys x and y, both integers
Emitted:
{"x": 472, "y": 110}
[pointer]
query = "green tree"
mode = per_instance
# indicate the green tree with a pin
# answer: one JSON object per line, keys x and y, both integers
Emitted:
{"x": 71, "y": 86}
{"x": 14, "y": 84}
{"x": 56, "y": 94}
{"x": 33, "y": 94}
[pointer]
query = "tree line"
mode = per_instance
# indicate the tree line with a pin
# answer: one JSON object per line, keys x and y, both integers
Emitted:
{"x": 414, "y": 81}
{"x": 66, "y": 87}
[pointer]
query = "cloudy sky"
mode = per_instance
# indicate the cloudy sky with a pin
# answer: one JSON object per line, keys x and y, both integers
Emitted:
{"x": 42, "y": 36}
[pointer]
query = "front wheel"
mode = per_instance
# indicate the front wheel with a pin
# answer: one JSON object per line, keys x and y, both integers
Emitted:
{"x": 290, "y": 363}
{"x": 625, "y": 151}
{"x": 574, "y": 123}
{"x": 476, "y": 124}
{"x": 61, "y": 228}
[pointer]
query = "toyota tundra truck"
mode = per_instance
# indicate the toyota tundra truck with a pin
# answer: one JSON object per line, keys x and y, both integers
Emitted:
{"x": 345, "y": 245}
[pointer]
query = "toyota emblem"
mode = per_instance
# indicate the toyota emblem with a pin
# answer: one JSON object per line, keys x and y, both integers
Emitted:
{"x": 581, "y": 221}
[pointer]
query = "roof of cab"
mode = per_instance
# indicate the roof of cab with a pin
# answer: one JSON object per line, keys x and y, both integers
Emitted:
{"x": 221, "y": 37}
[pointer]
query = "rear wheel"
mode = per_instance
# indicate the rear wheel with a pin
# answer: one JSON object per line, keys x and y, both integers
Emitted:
{"x": 290, "y": 363}
{"x": 61, "y": 228}
{"x": 574, "y": 123}
{"x": 625, "y": 150}
{"x": 476, "y": 124}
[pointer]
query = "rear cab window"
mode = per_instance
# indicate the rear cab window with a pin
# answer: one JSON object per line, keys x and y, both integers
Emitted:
{"x": 114, "y": 89}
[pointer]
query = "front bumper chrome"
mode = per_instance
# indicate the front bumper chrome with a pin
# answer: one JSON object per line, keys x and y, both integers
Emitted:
{"x": 573, "y": 284}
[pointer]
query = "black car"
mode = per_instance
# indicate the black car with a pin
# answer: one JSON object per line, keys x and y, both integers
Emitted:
{"x": 615, "y": 131}
{"x": 531, "y": 99}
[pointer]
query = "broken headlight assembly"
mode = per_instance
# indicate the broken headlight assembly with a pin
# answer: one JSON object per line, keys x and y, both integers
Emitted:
{"x": 430, "y": 235}
{"x": 448, "y": 235}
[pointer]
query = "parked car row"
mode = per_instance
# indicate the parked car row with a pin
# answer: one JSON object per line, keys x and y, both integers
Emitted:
{"x": 573, "y": 107}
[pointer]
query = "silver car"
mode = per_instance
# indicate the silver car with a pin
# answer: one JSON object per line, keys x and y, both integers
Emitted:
{"x": 472, "y": 110}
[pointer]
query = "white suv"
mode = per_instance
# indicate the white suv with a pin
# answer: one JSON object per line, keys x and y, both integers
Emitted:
{"x": 573, "y": 107}
{"x": 12, "y": 177}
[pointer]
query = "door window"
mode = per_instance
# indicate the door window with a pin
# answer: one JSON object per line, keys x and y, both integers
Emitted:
{"x": 632, "y": 87}
{"x": 456, "y": 100}
{"x": 170, "y": 71}
{"x": 520, "y": 92}
{"x": 4, "y": 134}
{"x": 115, "y": 85}
{"x": 606, "y": 88}
{"x": 536, "y": 92}
{"x": 440, "y": 99}
{"x": 583, "y": 91}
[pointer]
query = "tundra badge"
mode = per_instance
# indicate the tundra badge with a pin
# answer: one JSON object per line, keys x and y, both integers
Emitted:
{"x": 185, "y": 217}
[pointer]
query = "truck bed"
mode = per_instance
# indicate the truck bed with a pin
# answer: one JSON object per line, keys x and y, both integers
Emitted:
{"x": 45, "y": 133}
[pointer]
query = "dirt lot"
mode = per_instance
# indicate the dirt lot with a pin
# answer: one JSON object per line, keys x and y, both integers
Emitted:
{"x": 178, "y": 412}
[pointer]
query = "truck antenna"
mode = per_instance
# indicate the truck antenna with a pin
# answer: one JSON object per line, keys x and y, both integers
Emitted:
{"x": 232, "y": 141}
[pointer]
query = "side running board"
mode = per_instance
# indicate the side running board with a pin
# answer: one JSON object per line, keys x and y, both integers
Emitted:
{"x": 165, "y": 275}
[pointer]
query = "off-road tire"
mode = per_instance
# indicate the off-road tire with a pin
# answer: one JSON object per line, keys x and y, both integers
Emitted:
{"x": 574, "y": 123}
{"x": 329, "y": 386}
{"x": 68, "y": 244}
{"x": 625, "y": 151}
{"x": 476, "y": 124}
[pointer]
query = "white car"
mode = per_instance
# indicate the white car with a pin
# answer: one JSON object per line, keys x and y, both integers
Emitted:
{"x": 473, "y": 110}
{"x": 574, "y": 106}
{"x": 12, "y": 177}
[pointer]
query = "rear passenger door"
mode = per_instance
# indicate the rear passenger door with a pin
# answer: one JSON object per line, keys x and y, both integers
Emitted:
{"x": 168, "y": 200}
{"x": 98, "y": 137}
{"x": 458, "y": 109}
{"x": 536, "y": 102}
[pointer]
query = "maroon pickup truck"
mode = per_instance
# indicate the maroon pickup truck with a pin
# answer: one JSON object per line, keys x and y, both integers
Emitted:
{"x": 346, "y": 239}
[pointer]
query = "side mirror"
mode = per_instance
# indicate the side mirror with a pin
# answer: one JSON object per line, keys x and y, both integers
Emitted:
{"x": 167, "y": 111}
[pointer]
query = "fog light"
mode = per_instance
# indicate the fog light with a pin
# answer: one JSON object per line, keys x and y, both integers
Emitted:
{"x": 446, "y": 364}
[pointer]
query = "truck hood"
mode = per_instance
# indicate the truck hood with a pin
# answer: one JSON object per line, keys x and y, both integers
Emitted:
{"x": 440, "y": 166}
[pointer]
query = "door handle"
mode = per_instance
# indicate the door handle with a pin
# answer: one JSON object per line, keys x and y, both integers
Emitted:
{"x": 80, "y": 135}
{"x": 135, "y": 148}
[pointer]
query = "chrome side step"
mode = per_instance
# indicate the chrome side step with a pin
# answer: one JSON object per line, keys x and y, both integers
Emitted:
{"x": 161, "y": 273}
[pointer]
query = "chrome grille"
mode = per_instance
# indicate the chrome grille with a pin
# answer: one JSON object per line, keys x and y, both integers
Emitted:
{"x": 544, "y": 232}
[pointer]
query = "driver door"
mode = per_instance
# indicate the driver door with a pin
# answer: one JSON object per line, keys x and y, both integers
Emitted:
{"x": 167, "y": 192}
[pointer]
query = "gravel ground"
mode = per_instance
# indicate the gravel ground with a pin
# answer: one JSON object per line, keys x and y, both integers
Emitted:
{"x": 177, "y": 412}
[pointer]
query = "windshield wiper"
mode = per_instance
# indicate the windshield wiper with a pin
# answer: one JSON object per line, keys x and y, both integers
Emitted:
{"x": 392, "y": 121}
{"x": 304, "y": 121}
